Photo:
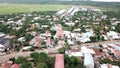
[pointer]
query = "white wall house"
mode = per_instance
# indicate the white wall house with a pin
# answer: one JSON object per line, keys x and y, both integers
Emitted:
{"x": 113, "y": 35}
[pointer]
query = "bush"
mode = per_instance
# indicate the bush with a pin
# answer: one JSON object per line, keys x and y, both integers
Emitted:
{"x": 32, "y": 49}
{"x": 21, "y": 60}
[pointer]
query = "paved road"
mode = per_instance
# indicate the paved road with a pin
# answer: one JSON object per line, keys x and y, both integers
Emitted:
{"x": 6, "y": 57}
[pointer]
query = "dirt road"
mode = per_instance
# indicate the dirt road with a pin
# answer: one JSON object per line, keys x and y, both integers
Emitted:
{"x": 6, "y": 57}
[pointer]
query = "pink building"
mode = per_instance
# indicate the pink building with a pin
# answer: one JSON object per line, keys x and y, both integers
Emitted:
{"x": 59, "y": 61}
{"x": 59, "y": 32}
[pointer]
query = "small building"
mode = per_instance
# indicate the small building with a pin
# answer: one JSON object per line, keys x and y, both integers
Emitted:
{"x": 112, "y": 35}
{"x": 116, "y": 53}
{"x": 97, "y": 52}
{"x": 36, "y": 41}
{"x": 88, "y": 60}
{"x": 7, "y": 65}
{"x": 59, "y": 32}
{"x": 4, "y": 43}
{"x": 74, "y": 52}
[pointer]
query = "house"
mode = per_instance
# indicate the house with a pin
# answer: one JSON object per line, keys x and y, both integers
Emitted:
{"x": 105, "y": 37}
{"x": 115, "y": 23}
{"x": 83, "y": 9}
{"x": 66, "y": 33}
{"x": 70, "y": 42}
{"x": 2, "y": 48}
{"x": 112, "y": 35}
{"x": 97, "y": 52}
{"x": 69, "y": 23}
{"x": 77, "y": 30}
{"x": 88, "y": 60}
{"x": 59, "y": 32}
{"x": 4, "y": 42}
{"x": 73, "y": 10}
{"x": 48, "y": 38}
{"x": 108, "y": 66}
{"x": 36, "y": 41}
{"x": 36, "y": 18}
{"x": 44, "y": 26}
{"x": 60, "y": 13}
{"x": 21, "y": 39}
{"x": 116, "y": 53}
{"x": 33, "y": 33}
{"x": 103, "y": 16}
{"x": 59, "y": 61}
{"x": 74, "y": 52}
{"x": 15, "y": 66}
{"x": 114, "y": 46}
{"x": 7, "y": 65}
{"x": 76, "y": 9}
{"x": 26, "y": 48}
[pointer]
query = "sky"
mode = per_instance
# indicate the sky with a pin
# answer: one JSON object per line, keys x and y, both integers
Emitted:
{"x": 108, "y": 0}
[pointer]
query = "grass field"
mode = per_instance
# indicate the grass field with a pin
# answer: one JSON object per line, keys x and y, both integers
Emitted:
{"x": 17, "y": 8}
{"x": 6, "y": 8}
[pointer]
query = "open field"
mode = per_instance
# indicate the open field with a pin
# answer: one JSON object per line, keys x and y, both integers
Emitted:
{"x": 17, "y": 8}
{"x": 7, "y": 8}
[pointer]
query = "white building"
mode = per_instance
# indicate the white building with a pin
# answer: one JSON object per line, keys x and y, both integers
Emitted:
{"x": 112, "y": 35}
{"x": 88, "y": 59}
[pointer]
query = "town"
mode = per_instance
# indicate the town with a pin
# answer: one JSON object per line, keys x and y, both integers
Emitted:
{"x": 77, "y": 37}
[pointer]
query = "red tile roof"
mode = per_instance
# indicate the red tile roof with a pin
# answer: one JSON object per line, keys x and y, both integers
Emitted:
{"x": 36, "y": 41}
{"x": 97, "y": 52}
{"x": 59, "y": 61}
{"x": 117, "y": 52}
{"x": 15, "y": 66}
{"x": 59, "y": 32}
{"x": 7, "y": 65}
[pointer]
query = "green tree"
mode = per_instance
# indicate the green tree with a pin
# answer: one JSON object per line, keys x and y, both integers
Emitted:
{"x": 117, "y": 28}
{"x": 39, "y": 57}
{"x": 42, "y": 65}
{"x": 72, "y": 62}
{"x": 25, "y": 43}
{"x": 28, "y": 37}
{"x": 93, "y": 39}
{"x": 34, "y": 55}
{"x": 20, "y": 60}
{"x": 64, "y": 48}
{"x": 26, "y": 65}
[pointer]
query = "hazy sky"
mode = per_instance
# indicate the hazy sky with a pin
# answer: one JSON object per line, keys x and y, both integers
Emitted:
{"x": 108, "y": 0}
